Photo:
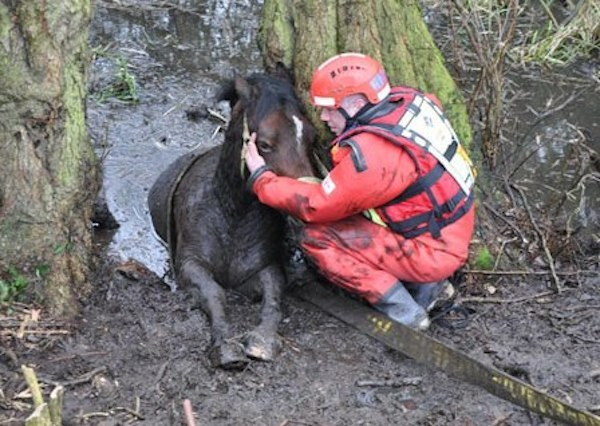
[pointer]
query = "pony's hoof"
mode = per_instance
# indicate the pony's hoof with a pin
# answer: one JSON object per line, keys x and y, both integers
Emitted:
{"x": 228, "y": 356}
{"x": 260, "y": 348}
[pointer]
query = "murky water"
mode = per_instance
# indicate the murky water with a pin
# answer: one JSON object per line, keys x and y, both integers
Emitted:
{"x": 555, "y": 152}
{"x": 179, "y": 55}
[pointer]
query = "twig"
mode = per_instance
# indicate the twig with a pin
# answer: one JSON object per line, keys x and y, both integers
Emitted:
{"x": 505, "y": 220}
{"x": 501, "y": 301}
{"x": 557, "y": 286}
{"x": 93, "y": 414}
{"x": 20, "y": 335}
{"x": 501, "y": 251}
{"x": 81, "y": 379}
{"x": 104, "y": 143}
{"x": 84, "y": 378}
{"x": 161, "y": 372}
{"x": 189, "y": 413}
{"x": 523, "y": 272}
{"x": 215, "y": 132}
{"x": 549, "y": 13}
{"x": 502, "y": 420}
{"x": 410, "y": 381}
{"x": 81, "y": 354}
{"x": 134, "y": 412}
{"x": 218, "y": 115}
{"x": 149, "y": 7}
{"x": 174, "y": 107}
{"x": 523, "y": 161}
{"x": 291, "y": 344}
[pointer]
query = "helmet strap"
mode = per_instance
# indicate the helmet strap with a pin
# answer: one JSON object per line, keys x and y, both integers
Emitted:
{"x": 354, "y": 121}
{"x": 344, "y": 114}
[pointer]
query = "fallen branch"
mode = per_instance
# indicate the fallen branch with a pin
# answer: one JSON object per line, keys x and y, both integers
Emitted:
{"x": 394, "y": 383}
{"x": 557, "y": 286}
{"x": 524, "y": 272}
{"x": 501, "y": 301}
{"x": 87, "y": 416}
{"x": 505, "y": 220}
{"x": 81, "y": 379}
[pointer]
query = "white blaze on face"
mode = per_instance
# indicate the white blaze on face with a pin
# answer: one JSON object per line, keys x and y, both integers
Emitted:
{"x": 299, "y": 126}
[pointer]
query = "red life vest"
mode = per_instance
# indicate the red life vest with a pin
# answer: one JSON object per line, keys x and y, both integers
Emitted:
{"x": 443, "y": 192}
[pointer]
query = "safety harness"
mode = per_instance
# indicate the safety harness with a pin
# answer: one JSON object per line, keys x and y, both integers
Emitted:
{"x": 413, "y": 122}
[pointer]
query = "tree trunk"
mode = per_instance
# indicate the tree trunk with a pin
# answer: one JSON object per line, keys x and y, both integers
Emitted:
{"x": 304, "y": 33}
{"x": 49, "y": 172}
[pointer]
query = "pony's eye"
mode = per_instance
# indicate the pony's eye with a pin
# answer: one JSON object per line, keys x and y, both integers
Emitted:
{"x": 264, "y": 147}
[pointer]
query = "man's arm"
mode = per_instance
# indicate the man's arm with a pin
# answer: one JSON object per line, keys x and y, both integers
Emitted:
{"x": 345, "y": 191}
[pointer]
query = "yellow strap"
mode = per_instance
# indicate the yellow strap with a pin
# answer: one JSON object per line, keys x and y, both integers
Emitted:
{"x": 374, "y": 217}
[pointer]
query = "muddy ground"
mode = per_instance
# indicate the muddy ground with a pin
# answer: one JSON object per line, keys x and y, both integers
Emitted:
{"x": 138, "y": 352}
{"x": 138, "y": 349}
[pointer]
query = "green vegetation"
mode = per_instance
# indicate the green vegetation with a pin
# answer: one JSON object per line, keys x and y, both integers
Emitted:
{"x": 124, "y": 86}
{"x": 63, "y": 248}
{"x": 484, "y": 260}
{"x": 13, "y": 286}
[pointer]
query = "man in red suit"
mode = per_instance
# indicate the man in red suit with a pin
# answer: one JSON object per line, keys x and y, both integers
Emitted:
{"x": 393, "y": 218}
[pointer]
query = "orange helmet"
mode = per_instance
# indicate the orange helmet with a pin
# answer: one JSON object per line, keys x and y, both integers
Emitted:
{"x": 348, "y": 74}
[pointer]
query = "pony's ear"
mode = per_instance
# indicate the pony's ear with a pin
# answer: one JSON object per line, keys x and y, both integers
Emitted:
{"x": 284, "y": 72}
{"x": 242, "y": 88}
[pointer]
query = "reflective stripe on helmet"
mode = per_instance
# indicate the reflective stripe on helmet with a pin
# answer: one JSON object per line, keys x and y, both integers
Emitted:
{"x": 384, "y": 92}
{"x": 323, "y": 101}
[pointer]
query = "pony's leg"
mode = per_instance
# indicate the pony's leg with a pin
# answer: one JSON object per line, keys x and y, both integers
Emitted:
{"x": 223, "y": 351}
{"x": 262, "y": 343}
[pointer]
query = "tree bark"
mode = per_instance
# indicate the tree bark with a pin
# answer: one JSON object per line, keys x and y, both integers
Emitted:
{"x": 304, "y": 33}
{"x": 49, "y": 172}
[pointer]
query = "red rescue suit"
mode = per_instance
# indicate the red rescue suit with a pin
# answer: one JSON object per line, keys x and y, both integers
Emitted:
{"x": 370, "y": 172}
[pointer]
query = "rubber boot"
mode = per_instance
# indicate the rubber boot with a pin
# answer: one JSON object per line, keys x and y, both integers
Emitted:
{"x": 431, "y": 295}
{"x": 399, "y": 306}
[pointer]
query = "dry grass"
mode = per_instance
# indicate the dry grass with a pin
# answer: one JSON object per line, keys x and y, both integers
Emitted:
{"x": 562, "y": 43}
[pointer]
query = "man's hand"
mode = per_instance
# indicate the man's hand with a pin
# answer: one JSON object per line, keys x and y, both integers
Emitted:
{"x": 253, "y": 159}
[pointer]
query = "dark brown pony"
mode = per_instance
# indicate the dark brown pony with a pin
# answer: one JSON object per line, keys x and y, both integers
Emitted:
{"x": 219, "y": 235}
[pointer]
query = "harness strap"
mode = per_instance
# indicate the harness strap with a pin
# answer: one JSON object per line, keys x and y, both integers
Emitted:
{"x": 357, "y": 156}
{"x": 433, "y": 220}
{"x": 426, "y": 181}
{"x": 409, "y": 227}
{"x": 378, "y": 110}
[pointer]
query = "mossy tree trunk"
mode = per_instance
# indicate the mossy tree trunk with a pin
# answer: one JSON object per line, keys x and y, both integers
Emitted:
{"x": 304, "y": 33}
{"x": 48, "y": 172}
